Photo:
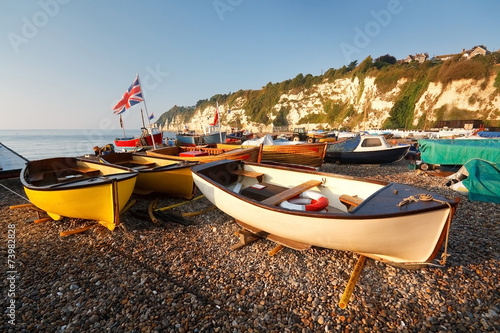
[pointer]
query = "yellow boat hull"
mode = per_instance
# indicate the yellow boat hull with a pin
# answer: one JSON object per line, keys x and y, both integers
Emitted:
{"x": 99, "y": 198}
{"x": 176, "y": 182}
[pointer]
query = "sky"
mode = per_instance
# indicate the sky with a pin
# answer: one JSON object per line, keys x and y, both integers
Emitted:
{"x": 66, "y": 63}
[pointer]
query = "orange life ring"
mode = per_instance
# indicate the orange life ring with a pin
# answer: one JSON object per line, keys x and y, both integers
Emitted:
{"x": 306, "y": 201}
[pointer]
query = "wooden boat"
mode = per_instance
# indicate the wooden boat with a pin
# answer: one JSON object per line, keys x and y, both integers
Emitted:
{"x": 287, "y": 152}
{"x": 78, "y": 188}
{"x": 365, "y": 149}
{"x": 370, "y": 217}
{"x": 205, "y": 154}
{"x": 159, "y": 175}
{"x": 11, "y": 163}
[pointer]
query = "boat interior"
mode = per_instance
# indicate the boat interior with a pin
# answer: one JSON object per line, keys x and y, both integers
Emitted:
{"x": 49, "y": 172}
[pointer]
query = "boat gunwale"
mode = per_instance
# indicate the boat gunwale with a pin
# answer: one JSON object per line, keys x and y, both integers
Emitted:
{"x": 327, "y": 215}
{"x": 79, "y": 183}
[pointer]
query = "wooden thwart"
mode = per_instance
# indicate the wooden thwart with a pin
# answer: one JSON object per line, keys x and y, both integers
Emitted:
{"x": 251, "y": 174}
{"x": 291, "y": 192}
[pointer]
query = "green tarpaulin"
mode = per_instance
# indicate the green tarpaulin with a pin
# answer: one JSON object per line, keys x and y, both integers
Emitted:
{"x": 483, "y": 181}
{"x": 459, "y": 151}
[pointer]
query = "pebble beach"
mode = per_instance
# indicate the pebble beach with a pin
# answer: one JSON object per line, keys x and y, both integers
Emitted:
{"x": 180, "y": 274}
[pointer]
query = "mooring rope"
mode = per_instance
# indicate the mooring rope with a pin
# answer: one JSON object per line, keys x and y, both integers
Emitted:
{"x": 428, "y": 197}
{"x": 8, "y": 189}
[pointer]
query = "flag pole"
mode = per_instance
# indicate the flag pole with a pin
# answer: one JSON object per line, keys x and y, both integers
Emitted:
{"x": 147, "y": 114}
{"x": 218, "y": 118}
{"x": 123, "y": 128}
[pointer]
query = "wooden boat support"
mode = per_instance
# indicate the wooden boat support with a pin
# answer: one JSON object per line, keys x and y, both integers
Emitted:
{"x": 249, "y": 234}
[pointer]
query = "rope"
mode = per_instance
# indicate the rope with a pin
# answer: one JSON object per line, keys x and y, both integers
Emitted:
{"x": 428, "y": 197}
{"x": 8, "y": 189}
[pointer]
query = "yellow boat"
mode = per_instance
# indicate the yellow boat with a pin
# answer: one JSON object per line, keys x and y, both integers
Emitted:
{"x": 78, "y": 188}
{"x": 156, "y": 174}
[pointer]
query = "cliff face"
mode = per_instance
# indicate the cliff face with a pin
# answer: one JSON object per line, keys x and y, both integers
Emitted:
{"x": 465, "y": 99}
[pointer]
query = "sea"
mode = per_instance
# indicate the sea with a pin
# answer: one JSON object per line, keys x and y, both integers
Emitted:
{"x": 47, "y": 143}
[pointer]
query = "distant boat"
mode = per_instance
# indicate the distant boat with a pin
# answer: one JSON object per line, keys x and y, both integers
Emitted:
{"x": 159, "y": 175}
{"x": 206, "y": 154}
{"x": 11, "y": 163}
{"x": 365, "y": 149}
{"x": 238, "y": 136}
{"x": 78, "y": 188}
{"x": 189, "y": 138}
{"x": 143, "y": 141}
{"x": 310, "y": 208}
{"x": 286, "y": 152}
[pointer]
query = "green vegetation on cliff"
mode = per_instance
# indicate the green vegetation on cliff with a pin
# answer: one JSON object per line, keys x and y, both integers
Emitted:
{"x": 261, "y": 106}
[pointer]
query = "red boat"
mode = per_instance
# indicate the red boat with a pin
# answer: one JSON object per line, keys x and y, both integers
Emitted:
{"x": 142, "y": 141}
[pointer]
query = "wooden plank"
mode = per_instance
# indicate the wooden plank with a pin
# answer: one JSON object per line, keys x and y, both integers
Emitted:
{"x": 350, "y": 201}
{"x": 277, "y": 239}
{"x": 251, "y": 174}
{"x": 291, "y": 192}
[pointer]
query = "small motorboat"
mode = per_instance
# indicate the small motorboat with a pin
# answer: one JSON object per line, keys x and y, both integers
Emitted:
{"x": 394, "y": 223}
{"x": 159, "y": 175}
{"x": 78, "y": 188}
{"x": 365, "y": 149}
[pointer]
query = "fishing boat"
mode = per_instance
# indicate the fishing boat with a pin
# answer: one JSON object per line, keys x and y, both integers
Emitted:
{"x": 159, "y": 175}
{"x": 145, "y": 140}
{"x": 299, "y": 153}
{"x": 394, "y": 223}
{"x": 189, "y": 138}
{"x": 205, "y": 154}
{"x": 238, "y": 136}
{"x": 365, "y": 149}
{"x": 78, "y": 188}
{"x": 11, "y": 163}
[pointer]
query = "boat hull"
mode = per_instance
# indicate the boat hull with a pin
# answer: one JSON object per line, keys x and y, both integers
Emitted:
{"x": 307, "y": 154}
{"x": 98, "y": 197}
{"x": 214, "y": 138}
{"x": 367, "y": 157}
{"x": 136, "y": 142}
{"x": 213, "y": 154}
{"x": 409, "y": 235}
{"x": 158, "y": 175}
{"x": 188, "y": 140}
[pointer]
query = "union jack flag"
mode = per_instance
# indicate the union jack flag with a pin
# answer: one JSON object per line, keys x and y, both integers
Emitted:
{"x": 131, "y": 97}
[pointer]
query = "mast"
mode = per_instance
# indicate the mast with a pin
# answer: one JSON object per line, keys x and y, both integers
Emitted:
{"x": 147, "y": 114}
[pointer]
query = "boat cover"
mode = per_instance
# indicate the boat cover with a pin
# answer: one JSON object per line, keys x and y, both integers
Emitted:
{"x": 459, "y": 151}
{"x": 483, "y": 180}
{"x": 487, "y": 134}
{"x": 346, "y": 145}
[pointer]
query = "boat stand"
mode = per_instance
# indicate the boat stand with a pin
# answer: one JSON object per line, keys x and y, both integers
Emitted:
{"x": 249, "y": 234}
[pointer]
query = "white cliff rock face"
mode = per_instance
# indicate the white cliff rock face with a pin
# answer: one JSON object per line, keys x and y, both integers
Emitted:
{"x": 468, "y": 95}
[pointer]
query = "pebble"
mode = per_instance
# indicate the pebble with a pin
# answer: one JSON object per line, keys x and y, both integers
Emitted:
{"x": 169, "y": 277}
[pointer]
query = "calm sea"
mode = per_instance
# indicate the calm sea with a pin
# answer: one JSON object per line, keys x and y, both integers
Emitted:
{"x": 38, "y": 144}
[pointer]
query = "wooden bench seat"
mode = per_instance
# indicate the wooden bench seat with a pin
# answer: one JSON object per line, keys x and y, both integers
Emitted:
{"x": 251, "y": 174}
{"x": 291, "y": 192}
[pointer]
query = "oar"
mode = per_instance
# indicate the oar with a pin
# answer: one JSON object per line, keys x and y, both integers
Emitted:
{"x": 352, "y": 282}
{"x": 179, "y": 204}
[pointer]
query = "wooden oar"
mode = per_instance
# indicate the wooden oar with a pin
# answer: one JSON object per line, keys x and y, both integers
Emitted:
{"x": 179, "y": 204}
{"x": 352, "y": 282}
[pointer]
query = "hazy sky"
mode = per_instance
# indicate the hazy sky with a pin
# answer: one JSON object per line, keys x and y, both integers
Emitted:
{"x": 65, "y": 63}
